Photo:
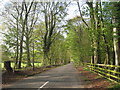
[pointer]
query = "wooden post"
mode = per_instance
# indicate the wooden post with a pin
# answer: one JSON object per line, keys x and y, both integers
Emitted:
{"x": 7, "y": 65}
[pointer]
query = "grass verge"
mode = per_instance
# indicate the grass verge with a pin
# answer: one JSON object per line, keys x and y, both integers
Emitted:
{"x": 114, "y": 87}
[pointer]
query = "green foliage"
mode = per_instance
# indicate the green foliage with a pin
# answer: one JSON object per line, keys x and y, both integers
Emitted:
{"x": 23, "y": 65}
{"x": 44, "y": 37}
{"x": 114, "y": 87}
{"x": 59, "y": 53}
{"x": 78, "y": 41}
{"x": 5, "y": 53}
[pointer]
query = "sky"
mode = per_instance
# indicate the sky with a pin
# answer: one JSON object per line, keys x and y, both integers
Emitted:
{"x": 71, "y": 12}
{"x": 2, "y": 3}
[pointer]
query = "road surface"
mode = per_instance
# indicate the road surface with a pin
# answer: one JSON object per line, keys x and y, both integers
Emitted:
{"x": 61, "y": 77}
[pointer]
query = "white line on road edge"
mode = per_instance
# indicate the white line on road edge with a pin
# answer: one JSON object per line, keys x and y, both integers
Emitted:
{"x": 43, "y": 85}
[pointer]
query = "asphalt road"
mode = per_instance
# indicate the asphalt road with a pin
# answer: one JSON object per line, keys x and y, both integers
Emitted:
{"x": 61, "y": 77}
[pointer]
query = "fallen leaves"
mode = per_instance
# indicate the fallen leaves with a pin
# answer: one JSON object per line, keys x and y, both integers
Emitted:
{"x": 92, "y": 80}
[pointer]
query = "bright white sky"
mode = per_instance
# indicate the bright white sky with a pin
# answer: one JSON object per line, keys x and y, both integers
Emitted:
{"x": 71, "y": 11}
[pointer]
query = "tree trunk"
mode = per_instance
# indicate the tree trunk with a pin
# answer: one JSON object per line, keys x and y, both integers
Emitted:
{"x": 119, "y": 44}
{"x": 113, "y": 56}
{"x": 7, "y": 65}
{"x": 17, "y": 47}
{"x": 28, "y": 51}
{"x": 21, "y": 48}
{"x": 108, "y": 51}
{"x": 21, "y": 52}
{"x": 33, "y": 57}
{"x": 115, "y": 46}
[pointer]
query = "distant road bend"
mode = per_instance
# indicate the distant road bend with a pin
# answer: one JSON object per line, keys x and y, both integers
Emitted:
{"x": 61, "y": 77}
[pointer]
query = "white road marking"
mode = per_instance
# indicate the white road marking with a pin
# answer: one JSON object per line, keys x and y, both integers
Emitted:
{"x": 43, "y": 85}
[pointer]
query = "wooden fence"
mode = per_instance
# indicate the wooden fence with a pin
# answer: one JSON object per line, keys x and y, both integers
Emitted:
{"x": 111, "y": 72}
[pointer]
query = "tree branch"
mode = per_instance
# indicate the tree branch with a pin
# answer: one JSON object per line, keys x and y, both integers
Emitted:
{"x": 82, "y": 16}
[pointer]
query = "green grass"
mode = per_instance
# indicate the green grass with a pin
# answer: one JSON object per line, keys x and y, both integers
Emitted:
{"x": 22, "y": 64}
{"x": 114, "y": 87}
{"x": 86, "y": 69}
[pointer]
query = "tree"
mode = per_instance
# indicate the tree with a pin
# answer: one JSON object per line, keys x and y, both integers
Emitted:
{"x": 19, "y": 28}
{"x": 30, "y": 22}
{"x": 5, "y": 54}
{"x": 101, "y": 39}
{"x": 54, "y": 12}
{"x": 78, "y": 41}
{"x": 59, "y": 52}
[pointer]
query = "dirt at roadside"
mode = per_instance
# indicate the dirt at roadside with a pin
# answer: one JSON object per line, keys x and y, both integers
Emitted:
{"x": 93, "y": 80}
{"x": 10, "y": 77}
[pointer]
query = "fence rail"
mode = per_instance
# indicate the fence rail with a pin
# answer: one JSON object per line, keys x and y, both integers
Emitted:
{"x": 111, "y": 72}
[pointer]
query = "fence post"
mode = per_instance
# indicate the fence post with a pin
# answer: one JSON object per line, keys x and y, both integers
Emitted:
{"x": 7, "y": 65}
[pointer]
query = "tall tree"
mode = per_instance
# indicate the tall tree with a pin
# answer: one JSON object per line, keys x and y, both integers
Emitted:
{"x": 54, "y": 12}
{"x": 30, "y": 22}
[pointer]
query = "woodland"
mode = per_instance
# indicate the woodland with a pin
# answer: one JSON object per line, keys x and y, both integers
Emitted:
{"x": 37, "y": 32}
